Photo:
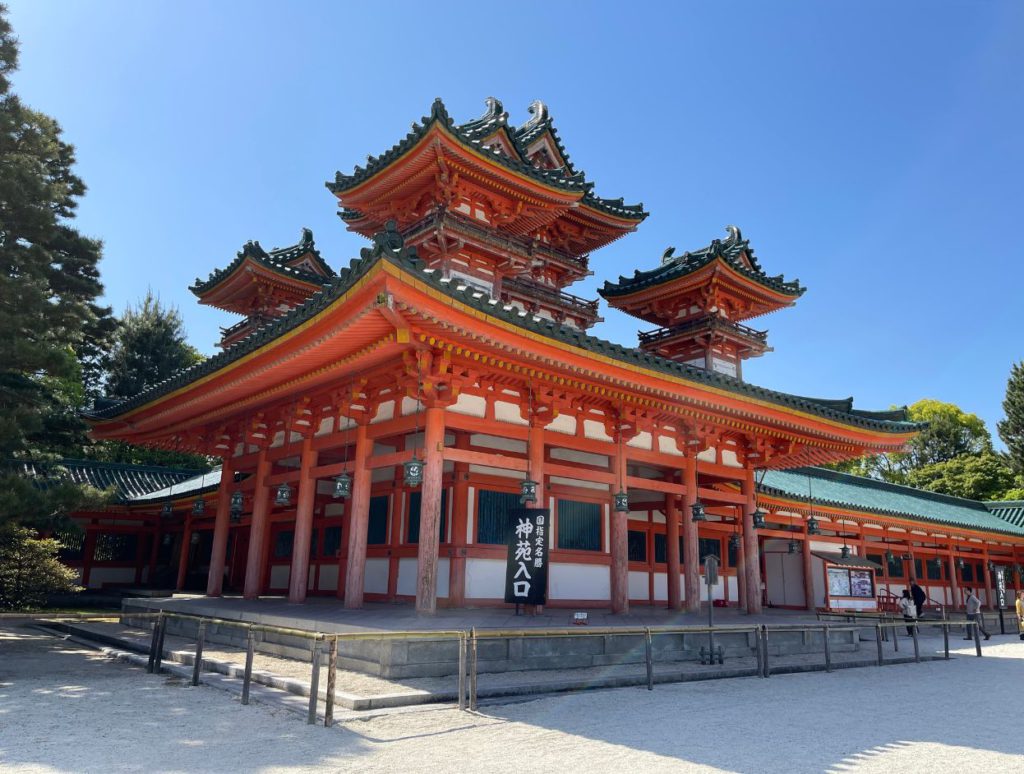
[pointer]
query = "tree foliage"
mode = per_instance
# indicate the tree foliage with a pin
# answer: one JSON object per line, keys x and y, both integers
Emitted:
{"x": 982, "y": 476}
{"x": 30, "y": 570}
{"x": 1011, "y": 429}
{"x": 49, "y": 286}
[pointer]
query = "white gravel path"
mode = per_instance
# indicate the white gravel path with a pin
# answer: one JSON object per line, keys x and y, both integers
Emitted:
{"x": 65, "y": 708}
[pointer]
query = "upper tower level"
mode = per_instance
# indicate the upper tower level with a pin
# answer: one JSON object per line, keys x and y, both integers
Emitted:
{"x": 698, "y": 300}
{"x": 262, "y": 285}
{"x": 491, "y": 204}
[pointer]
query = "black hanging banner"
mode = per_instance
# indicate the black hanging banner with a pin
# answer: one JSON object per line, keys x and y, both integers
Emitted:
{"x": 526, "y": 574}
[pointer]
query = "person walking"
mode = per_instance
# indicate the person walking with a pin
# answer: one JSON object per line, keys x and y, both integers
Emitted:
{"x": 974, "y": 615}
{"x": 909, "y": 611}
{"x": 1020, "y": 613}
{"x": 918, "y": 595}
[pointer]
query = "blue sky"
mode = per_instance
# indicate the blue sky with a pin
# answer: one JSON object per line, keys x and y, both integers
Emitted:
{"x": 872, "y": 150}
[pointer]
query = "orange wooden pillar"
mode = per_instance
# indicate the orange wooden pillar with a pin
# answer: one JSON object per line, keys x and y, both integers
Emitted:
{"x": 691, "y": 548}
{"x": 620, "y": 546}
{"x": 298, "y": 579}
{"x": 751, "y": 554}
{"x": 808, "y": 580}
{"x": 258, "y": 528}
{"x": 953, "y": 585}
{"x": 221, "y": 529}
{"x": 460, "y": 520}
{"x": 359, "y": 521}
{"x": 672, "y": 552}
{"x": 430, "y": 511}
{"x": 741, "y": 578}
{"x": 186, "y": 549}
{"x": 89, "y": 555}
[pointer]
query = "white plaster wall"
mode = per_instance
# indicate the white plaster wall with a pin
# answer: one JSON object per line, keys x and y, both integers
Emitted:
{"x": 385, "y": 411}
{"x": 378, "y": 475}
{"x": 489, "y": 471}
{"x": 579, "y": 483}
{"x": 407, "y": 575}
{"x": 495, "y": 442}
{"x": 443, "y": 574}
{"x": 667, "y": 445}
{"x": 579, "y": 581}
{"x": 563, "y": 423}
{"x": 326, "y": 426}
{"x": 101, "y": 575}
{"x": 572, "y": 455}
{"x": 328, "y": 578}
{"x": 280, "y": 575}
{"x": 334, "y": 509}
{"x": 375, "y": 578}
{"x": 411, "y": 406}
{"x": 641, "y": 441}
{"x": 595, "y": 430}
{"x": 470, "y": 515}
{"x": 508, "y": 412}
{"x": 729, "y": 458}
{"x": 638, "y": 588}
{"x": 734, "y": 589}
{"x": 485, "y": 578}
{"x": 660, "y": 587}
{"x": 471, "y": 405}
{"x": 710, "y": 454}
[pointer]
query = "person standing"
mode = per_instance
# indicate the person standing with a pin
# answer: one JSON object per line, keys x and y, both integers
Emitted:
{"x": 909, "y": 611}
{"x": 918, "y": 595}
{"x": 974, "y": 615}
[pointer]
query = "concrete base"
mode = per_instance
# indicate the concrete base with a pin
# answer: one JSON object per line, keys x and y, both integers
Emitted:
{"x": 426, "y": 656}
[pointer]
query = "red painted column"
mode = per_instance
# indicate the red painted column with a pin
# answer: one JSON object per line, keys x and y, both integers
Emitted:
{"x": 221, "y": 529}
{"x": 359, "y": 521}
{"x": 751, "y": 554}
{"x": 691, "y": 549}
{"x": 672, "y": 552}
{"x": 186, "y": 549}
{"x": 430, "y": 511}
{"x": 258, "y": 527}
{"x": 154, "y": 548}
{"x": 298, "y": 579}
{"x": 741, "y": 578}
{"x": 460, "y": 520}
{"x": 620, "y": 546}
{"x": 954, "y": 586}
{"x": 88, "y": 555}
{"x": 808, "y": 579}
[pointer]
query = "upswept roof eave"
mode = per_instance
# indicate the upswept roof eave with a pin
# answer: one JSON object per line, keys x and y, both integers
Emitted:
{"x": 127, "y": 479}
{"x": 406, "y": 260}
{"x": 255, "y": 254}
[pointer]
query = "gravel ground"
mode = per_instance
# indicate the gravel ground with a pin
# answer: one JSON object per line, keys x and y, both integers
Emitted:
{"x": 66, "y": 708}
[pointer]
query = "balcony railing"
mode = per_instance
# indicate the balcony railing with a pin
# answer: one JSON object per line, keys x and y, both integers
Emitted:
{"x": 710, "y": 323}
{"x": 557, "y": 298}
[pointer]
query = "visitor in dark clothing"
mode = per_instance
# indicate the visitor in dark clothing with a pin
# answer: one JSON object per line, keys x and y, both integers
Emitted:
{"x": 918, "y": 595}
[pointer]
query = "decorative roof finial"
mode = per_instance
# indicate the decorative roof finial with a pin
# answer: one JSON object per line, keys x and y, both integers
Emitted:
{"x": 307, "y": 238}
{"x": 734, "y": 235}
{"x": 494, "y": 108}
{"x": 666, "y": 257}
{"x": 538, "y": 112}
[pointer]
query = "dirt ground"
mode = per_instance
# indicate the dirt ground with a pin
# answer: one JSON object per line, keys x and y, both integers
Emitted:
{"x": 66, "y": 708}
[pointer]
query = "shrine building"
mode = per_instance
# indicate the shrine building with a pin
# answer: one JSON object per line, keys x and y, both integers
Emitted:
{"x": 377, "y": 423}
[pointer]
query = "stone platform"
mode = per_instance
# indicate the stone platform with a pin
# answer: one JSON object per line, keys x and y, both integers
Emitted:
{"x": 394, "y": 655}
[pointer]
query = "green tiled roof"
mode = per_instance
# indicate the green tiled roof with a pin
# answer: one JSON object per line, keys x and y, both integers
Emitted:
{"x": 388, "y": 247}
{"x": 1011, "y": 511}
{"x": 276, "y": 260}
{"x": 829, "y": 487}
{"x": 472, "y": 134}
{"x": 128, "y": 481}
{"x": 728, "y": 250}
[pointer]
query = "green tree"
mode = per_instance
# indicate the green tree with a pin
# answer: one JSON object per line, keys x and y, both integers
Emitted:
{"x": 49, "y": 284}
{"x": 148, "y": 346}
{"x": 1011, "y": 429}
{"x": 984, "y": 476}
{"x": 30, "y": 570}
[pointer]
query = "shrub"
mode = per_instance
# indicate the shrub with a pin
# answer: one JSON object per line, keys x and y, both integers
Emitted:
{"x": 30, "y": 570}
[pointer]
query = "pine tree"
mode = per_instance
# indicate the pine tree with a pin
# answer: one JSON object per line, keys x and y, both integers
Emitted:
{"x": 1011, "y": 429}
{"x": 49, "y": 285}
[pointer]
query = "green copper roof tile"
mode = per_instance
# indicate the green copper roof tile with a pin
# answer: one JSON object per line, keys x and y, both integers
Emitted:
{"x": 1010, "y": 511}
{"x": 128, "y": 481}
{"x": 829, "y": 487}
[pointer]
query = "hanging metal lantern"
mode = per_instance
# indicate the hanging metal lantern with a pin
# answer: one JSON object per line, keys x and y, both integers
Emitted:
{"x": 199, "y": 507}
{"x": 890, "y": 557}
{"x": 194, "y": 540}
{"x": 342, "y": 485}
{"x": 413, "y": 472}
{"x": 991, "y": 566}
{"x": 960, "y": 562}
{"x": 284, "y": 495}
{"x": 697, "y": 511}
{"x": 758, "y": 519}
{"x": 935, "y": 563}
{"x": 844, "y": 552}
{"x": 793, "y": 546}
{"x": 812, "y": 526}
{"x": 236, "y": 504}
{"x": 734, "y": 541}
{"x": 167, "y": 511}
{"x": 527, "y": 491}
{"x": 166, "y": 541}
{"x": 621, "y": 502}
{"x": 1019, "y": 570}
